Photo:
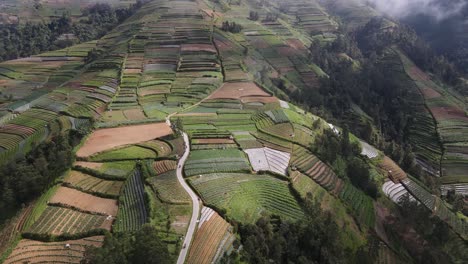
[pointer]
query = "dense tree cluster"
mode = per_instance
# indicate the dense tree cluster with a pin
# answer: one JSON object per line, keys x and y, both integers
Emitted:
{"x": 18, "y": 41}
{"x": 343, "y": 155}
{"x": 312, "y": 240}
{"x": 25, "y": 179}
{"x": 144, "y": 246}
{"x": 232, "y": 27}
{"x": 253, "y": 15}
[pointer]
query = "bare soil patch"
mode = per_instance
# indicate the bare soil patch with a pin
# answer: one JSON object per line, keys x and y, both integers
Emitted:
{"x": 430, "y": 93}
{"x": 89, "y": 165}
{"x": 84, "y": 201}
{"x": 296, "y": 44}
{"x": 241, "y": 90}
{"x": 198, "y": 47}
{"x": 108, "y": 138}
{"x": 214, "y": 141}
{"x": 449, "y": 112}
{"x": 417, "y": 74}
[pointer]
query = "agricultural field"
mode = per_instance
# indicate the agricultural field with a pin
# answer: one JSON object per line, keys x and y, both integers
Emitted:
{"x": 210, "y": 161}
{"x": 448, "y": 110}
{"x": 213, "y": 238}
{"x": 31, "y": 251}
{"x": 84, "y": 202}
{"x": 90, "y": 184}
{"x": 266, "y": 159}
{"x": 170, "y": 68}
{"x": 56, "y": 221}
{"x": 246, "y": 196}
{"x": 168, "y": 188}
{"x": 118, "y": 169}
{"x": 105, "y": 139}
{"x": 48, "y": 9}
{"x": 132, "y": 212}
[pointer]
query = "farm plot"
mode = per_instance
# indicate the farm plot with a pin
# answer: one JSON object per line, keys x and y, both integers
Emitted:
{"x": 132, "y": 210}
{"x": 117, "y": 169}
{"x": 419, "y": 193}
{"x": 162, "y": 166}
{"x": 84, "y": 202}
{"x": 395, "y": 191}
{"x": 109, "y": 138}
{"x": 246, "y": 140}
{"x": 91, "y": 184}
{"x": 242, "y": 91}
{"x": 362, "y": 205}
{"x": 267, "y": 159}
{"x": 245, "y": 196}
{"x": 459, "y": 188}
{"x": 168, "y": 188}
{"x": 125, "y": 153}
{"x": 58, "y": 221}
{"x": 394, "y": 171}
{"x": 212, "y": 238}
{"x": 307, "y": 163}
{"x": 209, "y": 161}
{"x": 31, "y": 251}
{"x": 368, "y": 150}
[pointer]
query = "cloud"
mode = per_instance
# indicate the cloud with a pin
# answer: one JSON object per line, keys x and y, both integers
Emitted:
{"x": 439, "y": 9}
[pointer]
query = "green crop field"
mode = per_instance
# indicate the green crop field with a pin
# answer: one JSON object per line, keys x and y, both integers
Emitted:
{"x": 246, "y": 196}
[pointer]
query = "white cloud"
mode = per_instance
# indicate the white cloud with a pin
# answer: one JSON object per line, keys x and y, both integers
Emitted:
{"x": 439, "y": 9}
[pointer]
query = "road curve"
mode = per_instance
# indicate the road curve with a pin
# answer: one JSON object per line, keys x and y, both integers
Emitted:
{"x": 195, "y": 203}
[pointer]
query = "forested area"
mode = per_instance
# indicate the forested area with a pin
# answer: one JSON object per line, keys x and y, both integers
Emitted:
{"x": 144, "y": 246}
{"x": 19, "y": 41}
{"x": 370, "y": 79}
{"x": 25, "y": 179}
{"x": 312, "y": 240}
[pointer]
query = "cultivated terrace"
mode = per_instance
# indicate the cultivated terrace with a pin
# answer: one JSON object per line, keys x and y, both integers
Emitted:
{"x": 275, "y": 182}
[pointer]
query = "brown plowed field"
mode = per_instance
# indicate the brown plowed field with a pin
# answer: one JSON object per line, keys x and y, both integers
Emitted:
{"x": 108, "y": 138}
{"x": 448, "y": 113}
{"x": 198, "y": 47}
{"x": 430, "y": 93}
{"x": 239, "y": 90}
{"x": 31, "y": 251}
{"x": 84, "y": 201}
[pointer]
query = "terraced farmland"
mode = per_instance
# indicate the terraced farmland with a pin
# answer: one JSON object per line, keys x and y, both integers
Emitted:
{"x": 31, "y": 251}
{"x": 168, "y": 188}
{"x": 58, "y": 221}
{"x": 132, "y": 210}
{"x": 84, "y": 202}
{"x": 212, "y": 239}
{"x": 266, "y": 159}
{"x": 246, "y": 196}
{"x": 448, "y": 113}
{"x": 210, "y": 161}
{"x": 88, "y": 183}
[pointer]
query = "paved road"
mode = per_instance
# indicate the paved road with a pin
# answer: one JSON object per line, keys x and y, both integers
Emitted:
{"x": 195, "y": 204}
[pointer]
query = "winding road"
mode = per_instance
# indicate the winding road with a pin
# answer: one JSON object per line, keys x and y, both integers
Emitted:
{"x": 195, "y": 203}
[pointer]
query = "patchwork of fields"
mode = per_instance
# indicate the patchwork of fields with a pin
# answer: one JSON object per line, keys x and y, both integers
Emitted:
{"x": 169, "y": 68}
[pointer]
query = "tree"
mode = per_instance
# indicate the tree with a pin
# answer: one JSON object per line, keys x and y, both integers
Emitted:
{"x": 148, "y": 248}
{"x": 253, "y": 15}
{"x": 144, "y": 246}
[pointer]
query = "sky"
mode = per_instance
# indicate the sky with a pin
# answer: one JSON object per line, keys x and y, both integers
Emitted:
{"x": 439, "y": 9}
